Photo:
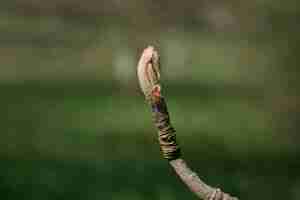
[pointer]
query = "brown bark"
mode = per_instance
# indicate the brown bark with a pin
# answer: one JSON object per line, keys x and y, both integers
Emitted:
{"x": 149, "y": 79}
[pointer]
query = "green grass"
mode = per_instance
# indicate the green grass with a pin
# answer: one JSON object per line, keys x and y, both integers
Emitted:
{"x": 139, "y": 179}
{"x": 81, "y": 119}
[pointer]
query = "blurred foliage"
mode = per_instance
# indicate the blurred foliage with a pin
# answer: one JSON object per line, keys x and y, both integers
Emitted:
{"x": 74, "y": 125}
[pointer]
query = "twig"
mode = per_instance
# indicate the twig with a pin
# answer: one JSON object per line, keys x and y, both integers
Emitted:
{"x": 149, "y": 78}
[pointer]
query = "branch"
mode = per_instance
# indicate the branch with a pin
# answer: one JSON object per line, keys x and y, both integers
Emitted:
{"x": 149, "y": 78}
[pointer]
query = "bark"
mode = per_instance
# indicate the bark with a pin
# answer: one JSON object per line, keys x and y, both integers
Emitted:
{"x": 148, "y": 72}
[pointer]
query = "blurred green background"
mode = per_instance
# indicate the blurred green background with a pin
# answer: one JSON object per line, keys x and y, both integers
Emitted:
{"x": 74, "y": 124}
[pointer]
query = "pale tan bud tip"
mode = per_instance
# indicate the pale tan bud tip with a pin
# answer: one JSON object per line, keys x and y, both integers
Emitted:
{"x": 148, "y": 71}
